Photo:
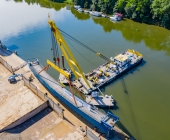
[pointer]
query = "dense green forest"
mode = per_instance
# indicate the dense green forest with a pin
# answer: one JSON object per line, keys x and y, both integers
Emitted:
{"x": 147, "y": 11}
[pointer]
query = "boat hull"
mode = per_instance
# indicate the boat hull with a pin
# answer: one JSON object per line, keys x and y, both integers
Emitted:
{"x": 125, "y": 71}
{"x": 72, "y": 106}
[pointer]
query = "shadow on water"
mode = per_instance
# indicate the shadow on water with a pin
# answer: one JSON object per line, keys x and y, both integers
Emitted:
{"x": 13, "y": 47}
{"x": 120, "y": 125}
{"x": 4, "y": 51}
{"x": 135, "y": 69}
{"x": 125, "y": 89}
{"x": 115, "y": 107}
{"x": 130, "y": 108}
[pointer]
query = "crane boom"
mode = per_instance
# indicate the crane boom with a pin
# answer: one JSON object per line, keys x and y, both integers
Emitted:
{"x": 67, "y": 52}
{"x": 58, "y": 69}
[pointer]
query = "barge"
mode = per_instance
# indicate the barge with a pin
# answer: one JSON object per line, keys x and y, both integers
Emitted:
{"x": 109, "y": 71}
{"x": 104, "y": 122}
{"x": 90, "y": 83}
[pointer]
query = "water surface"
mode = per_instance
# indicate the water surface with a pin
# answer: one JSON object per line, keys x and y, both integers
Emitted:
{"x": 142, "y": 95}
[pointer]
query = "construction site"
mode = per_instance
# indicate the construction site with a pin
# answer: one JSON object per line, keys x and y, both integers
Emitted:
{"x": 29, "y": 111}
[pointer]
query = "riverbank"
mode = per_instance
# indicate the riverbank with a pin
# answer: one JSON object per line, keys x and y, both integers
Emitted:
{"x": 141, "y": 11}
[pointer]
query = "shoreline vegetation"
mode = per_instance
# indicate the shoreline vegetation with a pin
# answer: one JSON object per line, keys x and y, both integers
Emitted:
{"x": 155, "y": 12}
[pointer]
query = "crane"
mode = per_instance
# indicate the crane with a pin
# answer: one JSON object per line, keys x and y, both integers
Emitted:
{"x": 75, "y": 68}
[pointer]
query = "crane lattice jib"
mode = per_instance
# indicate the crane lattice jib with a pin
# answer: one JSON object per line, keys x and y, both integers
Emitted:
{"x": 67, "y": 52}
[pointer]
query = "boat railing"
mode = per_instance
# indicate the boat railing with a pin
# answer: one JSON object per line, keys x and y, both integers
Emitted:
{"x": 84, "y": 106}
{"x": 135, "y": 52}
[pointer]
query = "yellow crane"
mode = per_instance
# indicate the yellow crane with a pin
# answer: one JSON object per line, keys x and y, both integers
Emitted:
{"x": 67, "y": 54}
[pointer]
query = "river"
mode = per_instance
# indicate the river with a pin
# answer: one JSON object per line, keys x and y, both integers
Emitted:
{"x": 142, "y": 96}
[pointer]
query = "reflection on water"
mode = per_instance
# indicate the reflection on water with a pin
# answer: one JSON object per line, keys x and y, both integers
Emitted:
{"x": 80, "y": 15}
{"x": 141, "y": 94}
{"x": 155, "y": 38}
{"x": 26, "y": 18}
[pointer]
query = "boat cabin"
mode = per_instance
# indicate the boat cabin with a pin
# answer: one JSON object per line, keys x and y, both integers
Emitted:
{"x": 119, "y": 15}
{"x": 121, "y": 59}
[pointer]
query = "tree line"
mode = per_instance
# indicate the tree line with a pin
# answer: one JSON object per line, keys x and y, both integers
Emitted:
{"x": 146, "y": 11}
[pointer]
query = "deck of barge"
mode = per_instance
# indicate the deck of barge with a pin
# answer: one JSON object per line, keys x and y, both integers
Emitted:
{"x": 109, "y": 71}
{"x": 100, "y": 101}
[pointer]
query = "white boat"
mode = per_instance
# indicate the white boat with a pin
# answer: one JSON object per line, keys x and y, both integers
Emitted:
{"x": 117, "y": 17}
{"x": 86, "y": 11}
{"x": 103, "y": 15}
{"x": 95, "y": 13}
{"x": 80, "y": 10}
{"x": 77, "y": 6}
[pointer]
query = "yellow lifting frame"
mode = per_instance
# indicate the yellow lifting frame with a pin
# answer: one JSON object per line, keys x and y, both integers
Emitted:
{"x": 58, "y": 69}
{"x": 65, "y": 49}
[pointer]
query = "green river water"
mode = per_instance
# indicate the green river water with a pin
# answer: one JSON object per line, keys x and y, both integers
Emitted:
{"x": 142, "y": 95}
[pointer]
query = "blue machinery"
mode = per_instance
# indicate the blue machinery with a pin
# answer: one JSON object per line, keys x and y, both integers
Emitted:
{"x": 107, "y": 123}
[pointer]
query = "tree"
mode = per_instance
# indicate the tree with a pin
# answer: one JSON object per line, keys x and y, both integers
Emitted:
{"x": 161, "y": 12}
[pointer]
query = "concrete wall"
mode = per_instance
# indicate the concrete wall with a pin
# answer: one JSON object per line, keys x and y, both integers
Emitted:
{"x": 90, "y": 135}
{"x": 44, "y": 97}
{"x": 56, "y": 107}
{"x": 6, "y": 65}
{"x": 26, "y": 116}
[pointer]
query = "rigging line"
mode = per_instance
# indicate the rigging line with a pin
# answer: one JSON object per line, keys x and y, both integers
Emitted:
{"x": 78, "y": 41}
{"x": 52, "y": 43}
{"x": 51, "y": 39}
{"x": 133, "y": 117}
{"x": 102, "y": 56}
{"x": 57, "y": 51}
{"x": 80, "y": 53}
{"x": 82, "y": 44}
{"x": 50, "y": 80}
{"x": 54, "y": 46}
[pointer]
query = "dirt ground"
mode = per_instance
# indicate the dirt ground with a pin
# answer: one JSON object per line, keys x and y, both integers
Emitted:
{"x": 16, "y": 100}
{"x": 46, "y": 125}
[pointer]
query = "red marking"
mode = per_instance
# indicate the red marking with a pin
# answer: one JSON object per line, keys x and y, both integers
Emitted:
{"x": 58, "y": 60}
